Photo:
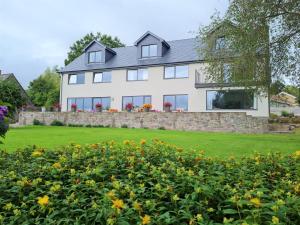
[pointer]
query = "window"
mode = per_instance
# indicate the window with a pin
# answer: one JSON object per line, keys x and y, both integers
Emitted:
{"x": 88, "y": 104}
{"x": 149, "y": 51}
{"x": 104, "y": 101}
{"x": 140, "y": 74}
{"x": 76, "y": 79}
{"x": 226, "y": 73}
{"x": 220, "y": 43}
{"x": 137, "y": 101}
{"x": 104, "y": 77}
{"x": 230, "y": 99}
{"x": 172, "y": 72}
{"x": 95, "y": 57}
{"x": 179, "y": 102}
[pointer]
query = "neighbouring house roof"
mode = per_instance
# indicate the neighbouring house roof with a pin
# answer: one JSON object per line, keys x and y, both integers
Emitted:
{"x": 180, "y": 51}
{"x": 285, "y": 98}
{"x": 287, "y": 94}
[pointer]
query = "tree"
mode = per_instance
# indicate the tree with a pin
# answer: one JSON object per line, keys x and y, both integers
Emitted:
{"x": 262, "y": 41}
{"x": 277, "y": 87}
{"x": 11, "y": 94}
{"x": 77, "y": 48}
{"x": 45, "y": 90}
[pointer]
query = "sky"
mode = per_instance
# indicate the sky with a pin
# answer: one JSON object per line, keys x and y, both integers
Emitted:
{"x": 36, "y": 34}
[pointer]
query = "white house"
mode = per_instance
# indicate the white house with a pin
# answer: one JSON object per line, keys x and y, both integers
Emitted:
{"x": 151, "y": 71}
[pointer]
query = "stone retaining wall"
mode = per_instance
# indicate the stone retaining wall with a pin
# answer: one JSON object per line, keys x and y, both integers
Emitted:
{"x": 193, "y": 121}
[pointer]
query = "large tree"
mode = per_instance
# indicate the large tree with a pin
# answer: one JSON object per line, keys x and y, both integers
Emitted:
{"x": 44, "y": 91}
{"x": 11, "y": 94}
{"x": 262, "y": 42}
{"x": 77, "y": 48}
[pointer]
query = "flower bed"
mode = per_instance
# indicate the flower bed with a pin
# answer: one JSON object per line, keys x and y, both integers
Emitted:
{"x": 146, "y": 183}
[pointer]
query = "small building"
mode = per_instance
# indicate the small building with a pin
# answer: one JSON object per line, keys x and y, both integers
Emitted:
{"x": 283, "y": 99}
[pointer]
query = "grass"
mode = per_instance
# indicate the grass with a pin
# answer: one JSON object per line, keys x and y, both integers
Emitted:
{"x": 214, "y": 144}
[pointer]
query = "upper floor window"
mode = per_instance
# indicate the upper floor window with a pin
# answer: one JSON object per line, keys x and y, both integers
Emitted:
{"x": 139, "y": 74}
{"x": 149, "y": 51}
{"x": 76, "y": 78}
{"x": 172, "y": 72}
{"x": 226, "y": 73}
{"x": 103, "y": 77}
{"x": 220, "y": 43}
{"x": 95, "y": 57}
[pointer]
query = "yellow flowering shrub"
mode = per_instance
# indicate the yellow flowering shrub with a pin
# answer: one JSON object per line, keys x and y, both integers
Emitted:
{"x": 149, "y": 182}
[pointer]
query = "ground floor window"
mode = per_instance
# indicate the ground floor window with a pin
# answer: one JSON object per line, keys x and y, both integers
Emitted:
{"x": 230, "y": 99}
{"x": 89, "y": 104}
{"x": 137, "y": 101}
{"x": 178, "y": 102}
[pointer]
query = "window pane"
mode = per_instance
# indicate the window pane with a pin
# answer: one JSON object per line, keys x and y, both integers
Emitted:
{"x": 138, "y": 101}
{"x": 79, "y": 103}
{"x": 96, "y": 101}
{"x": 182, "y": 71}
{"x": 70, "y": 102}
{"x": 226, "y": 72}
{"x": 106, "y": 77}
{"x": 98, "y": 56}
{"x": 145, "y": 51}
{"x": 132, "y": 75}
{"x": 143, "y": 74}
{"x": 147, "y": 100}
{"x": 126, "y": 100}
{"x": 169, "y": 72}
{"x": 106, "y": 103}
{"x": 153, "y": 50}
{"x": 87, "y": 104}
{"x": 182, "y": 102}
{"x": 91, "y": 57}
{"x": 98, "y": 77}
{"x": 220, "y": 43}
{"x": 171, "y": 99}
{"x": 232, "y": 99}
{"x": 80, "y": 78}
{"x": 73, "y": 79}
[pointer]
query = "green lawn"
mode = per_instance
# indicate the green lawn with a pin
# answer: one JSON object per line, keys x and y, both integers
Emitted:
{"x": 214, "y": 144}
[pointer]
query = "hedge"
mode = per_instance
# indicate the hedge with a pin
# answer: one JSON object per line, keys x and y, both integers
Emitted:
{"x": 146, "y": 183}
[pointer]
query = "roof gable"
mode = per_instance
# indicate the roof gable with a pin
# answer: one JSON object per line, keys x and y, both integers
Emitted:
{"x": 99, "y": 44}
{"x": 153, "y": 35}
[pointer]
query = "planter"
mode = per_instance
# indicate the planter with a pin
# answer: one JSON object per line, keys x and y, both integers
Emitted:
{"x": 99, "y": 109}
{"x": 129, "y": 110}
{"x": 73, "y": 109}
{"x": 167, "y": 109}
{"x": 146, "y": 109}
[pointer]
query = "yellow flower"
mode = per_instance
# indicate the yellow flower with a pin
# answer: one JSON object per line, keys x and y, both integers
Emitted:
{"x": 275, "y": 220}
{"x": 43, "y": 201}
{"x": 297, "y": 188}
{"x": 118, "y": 204}
{"x": 297, "y": 153}
{"x": 137, "y": 206}
{"x": 36, "y": 153}
{"x": 126, "y": 142}
{"x": 143, "y": 142}
{"x": 146, "y": 219}
{"x": 56, "y": 165}
{"x": 256, "y": 202}
{"x": 111, "y": 194}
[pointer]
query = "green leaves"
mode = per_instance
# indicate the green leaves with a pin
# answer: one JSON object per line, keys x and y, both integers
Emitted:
{"x": 111, "y": 183}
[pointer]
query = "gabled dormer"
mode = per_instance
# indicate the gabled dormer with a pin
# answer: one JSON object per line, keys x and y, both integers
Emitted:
{"x": 151, "y": 46}
{"x": 97, "y": 53}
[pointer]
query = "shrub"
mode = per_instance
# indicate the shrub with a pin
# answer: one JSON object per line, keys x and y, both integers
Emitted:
{"x": 75, "y": 125}
{"x": 107, "y": 126}
{"x": 37, "y": 122}
{"x": 124, "y": 126}
{"x": 3, "y": 122}
{"x": 57, "y": 123}
{"x": 130, "y": 183}
{"x": 161, "y": 128}
{"x": 284, "y": 113}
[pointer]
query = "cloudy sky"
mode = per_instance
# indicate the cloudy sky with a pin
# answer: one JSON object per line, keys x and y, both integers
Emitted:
{"x": 36, "y": 34}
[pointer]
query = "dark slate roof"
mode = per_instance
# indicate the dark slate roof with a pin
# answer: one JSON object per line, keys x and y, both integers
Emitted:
{"x": 180, "y": 51}
{"x": 5, "y": 76}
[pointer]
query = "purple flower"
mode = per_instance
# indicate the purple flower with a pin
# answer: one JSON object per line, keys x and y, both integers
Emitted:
{"x": 3, "y": 112}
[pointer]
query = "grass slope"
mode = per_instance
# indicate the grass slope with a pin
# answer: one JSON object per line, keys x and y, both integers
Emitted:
{"x": 214, "y": 144}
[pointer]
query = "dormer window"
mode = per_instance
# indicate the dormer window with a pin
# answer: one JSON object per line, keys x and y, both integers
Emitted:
{"x": 220, "y": 43}
{"x": 95, "y": 57}
{"x": 149, "y": 51}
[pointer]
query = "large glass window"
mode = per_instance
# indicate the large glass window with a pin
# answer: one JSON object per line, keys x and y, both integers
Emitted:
{"x": 179, "y": 102}
{"x": 220, "y": 43}
{"x": 105, "y": 101}
{"x": 172, "y": 72}
{"x": 103, "y": 77}
{"x": 139, "y": 74}
{"x": 95, "y": 57}
{"x": 149, "y": 51}
{"x": 88, "y": 104}
{"x": 137, "y": 101}
{"x": 76, "y": 79}
{"x": 230, "y": 99}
